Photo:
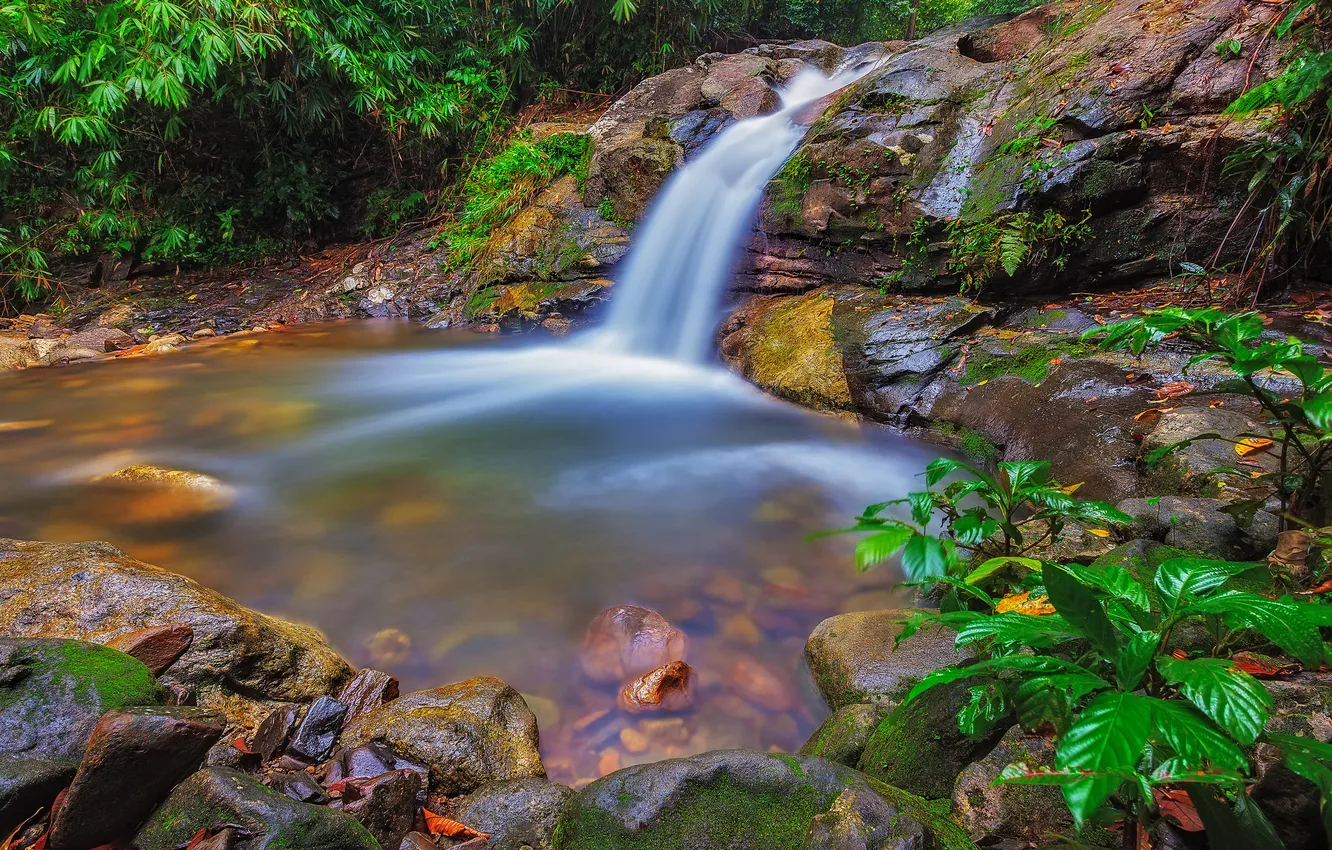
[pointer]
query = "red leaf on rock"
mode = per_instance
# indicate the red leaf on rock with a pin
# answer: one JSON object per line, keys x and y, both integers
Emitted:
{"x": 240, "y": 745}
{"x": 1264, "y": 668}
{"x": 1325, "y": 587}
{"x": 1176, "y": 804}
{"x": 197, "y": 839}
{"x": 440, "y": 825}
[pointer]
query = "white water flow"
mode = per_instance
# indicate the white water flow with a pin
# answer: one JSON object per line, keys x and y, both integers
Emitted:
{"x": 666, "y": 302}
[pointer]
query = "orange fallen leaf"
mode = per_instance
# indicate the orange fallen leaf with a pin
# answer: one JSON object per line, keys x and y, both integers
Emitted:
{"x": 1056, "y": 361}
{"x": 1071, "y": 489}
{"x": 1325, "y": 587}
{"x": 440, "y": 825}
{"x": 197, "y": 839}
{"x": 240, "y": 745}
{"x": 1264, "y": 668}
{"x": 1025, "y": 603}
{"x": 1098, "y": 532}
{"x": 1216, "y": 402}
{"x": 1176, "y": 804}
{"x": 1249, "y": 445}
{"x": 1175, "y": 389}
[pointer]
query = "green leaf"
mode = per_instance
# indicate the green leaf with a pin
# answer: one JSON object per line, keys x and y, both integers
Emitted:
{"x": 1236, "y": 701}
{"x": 1020, "y": 663}
{"x": 1233, "y": 826}
{"x": 1194, "y": 738}
{"x": 1135, "y": 656}
{"x": 881, "y": 545}
{"x": 1053, "y": 699}
{"x": 925, "y": 557}
{"x": 922, "y": 507}
{"x": 1077, "y": 604}
{"x": 1018, "y": 628}
{"x": 1279, "y": 622}
{"x": 1318, "y": 410}
{"x": 1179, "y": 578}
{"x": 1022, "y": 774}
{"x": 1108, "y": 737}
{"x": 1116, "y": 581}
{"x": 1024, "y": 473}
{"x": 994, "y": 565}
{"x": 986, "y": 707}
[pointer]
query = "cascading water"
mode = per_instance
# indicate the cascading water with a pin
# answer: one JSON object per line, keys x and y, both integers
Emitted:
{"x": 666, "y": 301}
{"x": 445, "y": 505}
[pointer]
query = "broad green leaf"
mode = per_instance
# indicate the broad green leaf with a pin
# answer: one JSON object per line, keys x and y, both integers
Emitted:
{"x": 1018, "y": 628}
{"x": 1279, "y": 622}
{"x": 1053, "y": 699}
{"x": 922, "y": 507}
{"x": 1318, "y": 410}
{"x": 1307, "y": 757}
{"x": 1173, "y": 771}
{"x": 881, "y": 545}
{"x": 1116, "y": 581}
{"x": 1024, "y": 473}
{"x": 937, "y": 469}
{"x": 1236, "y": 701}
{"x": 986, "y": 707}
{"x": 1107, "y": 737}
{"x": 1240, "y": 825}
{"x": 994, "y": 565}
{"x": 1194, "y": 738}
{"x": 1135, "y": 656}
{"x": 1020, "y": 663}
{"x": 925, "y": 557}
{"x": 1178, "y": 578}
{"x": 1077, "y": 604}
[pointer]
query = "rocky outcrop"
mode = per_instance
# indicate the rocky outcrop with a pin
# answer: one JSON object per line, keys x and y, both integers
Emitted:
{"x": 93, "y": 591}
{"x": 744, "y": 799}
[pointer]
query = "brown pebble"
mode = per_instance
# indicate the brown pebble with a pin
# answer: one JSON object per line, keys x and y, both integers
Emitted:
{"x": 741, "y": 629}
{"x": 726, "y": 588}
{"x": 760, "y": 686}
{"x": 609, "y": 761}
{"x": 633, "y": 740}
{"x": 667, "y": 688}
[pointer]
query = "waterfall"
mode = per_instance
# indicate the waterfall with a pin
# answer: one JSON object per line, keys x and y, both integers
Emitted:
{"x": 667, "y": 297}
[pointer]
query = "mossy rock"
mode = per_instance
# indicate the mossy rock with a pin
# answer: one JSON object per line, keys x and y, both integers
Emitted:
{"x": 52, "y": 693}
{"x": 216, "y": 797}
{"x": 919, "y": 747}
{"x": 843, "y": 736}
{"x": 791, "y": 350}
{"x": 748, "y": 800}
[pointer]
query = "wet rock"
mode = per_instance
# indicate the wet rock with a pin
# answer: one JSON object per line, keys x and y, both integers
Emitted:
{"x": 270, "y": 738}
{"x": 853, "y": 660}
{"x": 52, "y": 693}
{"x": 628, "y": 641}
{"x": 1301, "y": 705}
{"x": 386, "y": 805}
{"x": 1193, "y": 524}
{"x": 467, "y": 734}
{"x": 134, "y": 758}
{"x": 367, "y": 691}
{"x": 215, "y": 798}
{"x": 164, "y": 344}
{"x": 788, "y": 347}
{"x": 919, "y": 747}
{"x": 1187, "y": 471}
{"x": 117, "y": 315}
{"x": 746, "y": 799}
{"x": 843, "y": 736}
{"x": 667, "y": 688}
{"x": 319, "y": 729}
{"x": 417, "y": 841}
{"x": 171, "y": 495}
{"x": 362, "y": 762}
{"x": 28, "y": 785}
{"x": 1026, "y": 813}
{"x": 94, "y": 590}
{"x": 100, "y": 340}
{"x": 299, "y": 786}
{"x": 518, "y": 814}
{"x": 158, "y": 647}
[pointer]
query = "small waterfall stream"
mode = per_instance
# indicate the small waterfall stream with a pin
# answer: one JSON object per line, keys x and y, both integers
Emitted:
{"x": 666, "y": 302}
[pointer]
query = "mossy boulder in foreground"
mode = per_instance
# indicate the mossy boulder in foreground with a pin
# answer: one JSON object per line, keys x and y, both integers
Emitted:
{"x": 52, "y": 693}
{"x": 217, "y": 797}
{"x": 748, "y": 800}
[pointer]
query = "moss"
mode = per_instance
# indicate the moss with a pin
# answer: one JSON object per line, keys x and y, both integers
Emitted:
{"x": 1030, "y": 362}
{"x": 723, "y": 813}
{"x": 786, "y": 192}
{"x": 791, "y": 351}
{"x": 975, "y": 444}
{"x": 89, "y": 674}
{"x": 934, "y": 814}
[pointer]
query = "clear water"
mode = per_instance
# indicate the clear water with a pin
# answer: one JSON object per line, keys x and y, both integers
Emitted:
{"x": 444, "y": 504}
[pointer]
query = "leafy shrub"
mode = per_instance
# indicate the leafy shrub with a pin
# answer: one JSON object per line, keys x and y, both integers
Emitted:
{"x": 1128, "y": 713}
{"x": 983, "y": 247}
{"x": 1300, "y": 422}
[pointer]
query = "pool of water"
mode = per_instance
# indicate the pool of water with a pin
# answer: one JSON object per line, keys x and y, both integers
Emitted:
{"x": 444, "y": 505}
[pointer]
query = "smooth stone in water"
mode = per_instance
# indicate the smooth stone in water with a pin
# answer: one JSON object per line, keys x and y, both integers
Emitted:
{"x": 53, "y": 692}
{"x": 853, "y": 659}
{"x": 217, "y": 797}
{"x": 467, "y": 734}
{"x": 518, "y": 813}
{"x": 134, "y": 758}
{"x": 628, "y": 641}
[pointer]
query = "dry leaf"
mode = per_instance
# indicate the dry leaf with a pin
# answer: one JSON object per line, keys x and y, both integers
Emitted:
{"x": 1098, "y": 532}
{"x": 1216, "y": 402}
{"x": 1176, "y": 804}
{"x": 1024, "y": 603}
{"x": 440, "y": 825}
{"x": 1175, "y": 390}
{"x": 1149, "y": 413}
{"x": 240, "y": 745}
{"x": 197, "y": 839}
{"x": 1264, "y": 668}
{"x": 1071, "y": 489}
{"x": 1249, "y": 445}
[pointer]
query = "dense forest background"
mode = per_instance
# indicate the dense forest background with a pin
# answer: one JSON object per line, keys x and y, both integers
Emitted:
{"x": 216, "y": 131}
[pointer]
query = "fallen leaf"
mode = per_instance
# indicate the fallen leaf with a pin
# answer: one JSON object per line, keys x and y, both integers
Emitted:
{"x": 1249, "y": 445}
{"x": 1149, "y": 413}
{"x": 1056, "y": 361}
{"x": 1175, "y": 389}
{"x": 24, "y": 425}
{"x": 197, "y": 839}
{"x": 440, "y": 825}
{"x": 1325, "y": 587}
{"x": 1176, "y": 804}
{"x": 1098, "y": 532}
{"x": 1071, "y": 489}
{"x": 240, "y": 745}
{"x": 1264, "y": 668}
{"x": 1024, "y": 603}
{"x": 1216, "y": 402}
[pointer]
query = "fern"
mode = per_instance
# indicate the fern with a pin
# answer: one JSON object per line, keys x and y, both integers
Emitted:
{"x": 1013, "y": 247}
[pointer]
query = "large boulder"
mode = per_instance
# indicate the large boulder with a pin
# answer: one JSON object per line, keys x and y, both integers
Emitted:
{"x": 747, "y": 800}
{"x": 1031, "y": 814}
{"x": 53, "y": 692}
{"x": 843, "y": 736}
{"x": 215, "y": 799}
{"x": 94, "y": 591}
{"x": 468, "y": 734}
{"x": 520, "y": 814}
{"x": 921, "y": 748}
{"x": 29, "y": 785}
{"x": 854, "y": 659}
